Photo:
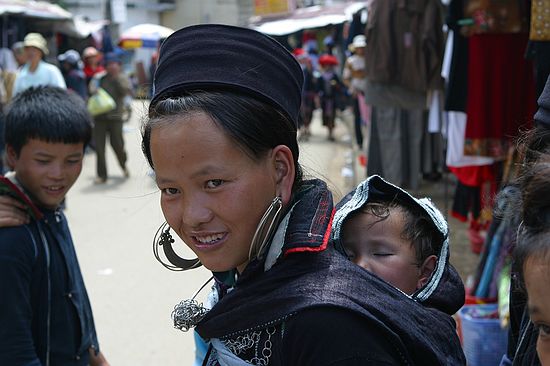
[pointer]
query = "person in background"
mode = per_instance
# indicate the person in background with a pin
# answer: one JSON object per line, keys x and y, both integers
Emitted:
{"x": 309, "y": 93}
{"x": 45, "y": 312}
{"x": 117, "y": 85}
{"x": 329, "y": 89}
{"x": 92, "y": 63}
{"x": 36, "y": 71}
{"x": 19, "y": 53}
{"x": 523, "y": 334}
{"x": 354, "y": 76}
{"x": 71, "y": 68}
{"x": 3, "y": 103}
{"x": 532, "y": 258}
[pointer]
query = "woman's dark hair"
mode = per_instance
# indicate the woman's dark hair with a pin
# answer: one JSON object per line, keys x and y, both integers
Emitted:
{"x": 47, "y": 113}
{"x": 419, "y": 228}
{"x": 534, "y": 231}
{"x": 533, "y": 143}
{"x": 255, "y": 126}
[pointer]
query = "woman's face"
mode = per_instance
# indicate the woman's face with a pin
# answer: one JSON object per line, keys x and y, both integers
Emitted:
{"x": 537, "y": 277}
{"x": 212, "y": 193}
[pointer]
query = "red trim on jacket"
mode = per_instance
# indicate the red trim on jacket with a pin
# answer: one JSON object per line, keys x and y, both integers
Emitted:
{"x": 320, "y": 248}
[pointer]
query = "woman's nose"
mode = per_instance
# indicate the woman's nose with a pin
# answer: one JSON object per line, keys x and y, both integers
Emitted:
{"x": 196, "y": 212}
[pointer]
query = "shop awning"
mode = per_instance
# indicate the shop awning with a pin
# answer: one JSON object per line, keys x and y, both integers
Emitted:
{"x": 307, "y": 18}
{"x": 143, "y": 35}
{"x": 79, "y": 27}
{"x": 33, "y": 9}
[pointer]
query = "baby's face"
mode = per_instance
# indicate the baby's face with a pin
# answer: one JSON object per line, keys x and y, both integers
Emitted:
{"x": 536, "y": 272}
{"x": 378, "y": 246}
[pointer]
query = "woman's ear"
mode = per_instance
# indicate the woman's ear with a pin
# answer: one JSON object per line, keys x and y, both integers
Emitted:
{"x": 285, "y": 171}
{"x": 426, "y": 270}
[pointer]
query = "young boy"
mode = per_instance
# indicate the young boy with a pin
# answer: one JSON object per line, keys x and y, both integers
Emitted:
{"x": 45, "y": 312}
{"x": 399, "y": 238}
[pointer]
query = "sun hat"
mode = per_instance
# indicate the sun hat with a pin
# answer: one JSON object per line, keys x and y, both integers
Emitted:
{"x": 90, "y": 52}
{"x": 37, "y": 41}
{"x": 223, "y": 57}
{"x": 359, "y": 41}
{"x": 71, "y": 56}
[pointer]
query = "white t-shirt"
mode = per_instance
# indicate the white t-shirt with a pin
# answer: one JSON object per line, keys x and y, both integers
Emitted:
{"x": 355, "y": 63}
{"x": 45, "y": 74}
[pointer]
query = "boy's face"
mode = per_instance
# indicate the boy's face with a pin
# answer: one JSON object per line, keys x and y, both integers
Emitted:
{"x": 378, "y": 246}
{"x": 47, "y": 170}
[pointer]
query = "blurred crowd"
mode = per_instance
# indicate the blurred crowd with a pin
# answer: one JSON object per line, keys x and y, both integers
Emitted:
{"x": 331, "y": 87}
{"x": 89, "y": 75}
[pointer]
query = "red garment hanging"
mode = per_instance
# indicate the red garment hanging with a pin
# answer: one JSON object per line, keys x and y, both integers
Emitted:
{"x": 501, "y": 93}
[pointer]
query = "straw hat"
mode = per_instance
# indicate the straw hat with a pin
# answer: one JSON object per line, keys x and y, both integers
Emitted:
{"x": 37, "y": 41}
{"x": 359, "y": 41}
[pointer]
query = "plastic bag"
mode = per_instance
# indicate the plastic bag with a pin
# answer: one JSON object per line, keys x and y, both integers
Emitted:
{"x": 101, "y": 102}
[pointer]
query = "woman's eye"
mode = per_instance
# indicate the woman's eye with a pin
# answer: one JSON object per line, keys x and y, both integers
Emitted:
{"x": 214, "y": 183}
{"x": 170, "y": 191}
{"x": 39, "y": 161}
{"x": 544, "y": 330}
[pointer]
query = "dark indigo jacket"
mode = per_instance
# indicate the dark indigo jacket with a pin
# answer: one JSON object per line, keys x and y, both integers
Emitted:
{"x": 310, "y": 273}
{"x": 37, "y": 325}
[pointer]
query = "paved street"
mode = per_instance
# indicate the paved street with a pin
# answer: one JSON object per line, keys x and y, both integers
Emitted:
{"x": 113, "y": 227}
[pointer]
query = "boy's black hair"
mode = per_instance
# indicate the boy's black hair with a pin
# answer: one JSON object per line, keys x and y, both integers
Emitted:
{"x": 49, "y": 114}
{"x": 419, "y": 228}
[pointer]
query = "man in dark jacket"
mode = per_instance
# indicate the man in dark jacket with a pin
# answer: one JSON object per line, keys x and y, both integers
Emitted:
{"x": 110, "y": 123}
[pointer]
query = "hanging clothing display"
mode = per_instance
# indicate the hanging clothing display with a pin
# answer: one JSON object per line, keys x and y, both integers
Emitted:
{"x": 396, "y": 137}
{"x": 491, "y": 81}
{"x": 539, "y": 45}
{"x": 404, "y": 52}
{"x": 501, "y": 95}
{"x": 457, "y": 76}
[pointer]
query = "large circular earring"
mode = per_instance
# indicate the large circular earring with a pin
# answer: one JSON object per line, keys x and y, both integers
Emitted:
{"x": 164, "y": 239}
{"x": 266, "y": 228}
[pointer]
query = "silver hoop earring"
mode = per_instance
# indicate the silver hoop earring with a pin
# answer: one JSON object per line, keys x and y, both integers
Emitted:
{"x": 265, "y": 228}
{"x": 164, "y": 239}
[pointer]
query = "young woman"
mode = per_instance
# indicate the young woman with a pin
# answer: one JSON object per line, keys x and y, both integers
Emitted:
{"x": 532, "y": 256}
{"x": 523, "y": 335}
{"x": 221, "y": 138}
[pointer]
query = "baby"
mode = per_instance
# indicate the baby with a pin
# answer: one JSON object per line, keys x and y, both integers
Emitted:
{"x": 397, "y": 237}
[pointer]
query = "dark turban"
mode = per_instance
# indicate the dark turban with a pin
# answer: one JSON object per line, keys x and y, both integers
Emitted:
{"x": 222, "y": 57}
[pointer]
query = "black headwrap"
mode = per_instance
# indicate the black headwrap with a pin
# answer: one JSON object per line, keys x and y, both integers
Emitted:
{"x": 214, "y": 57}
